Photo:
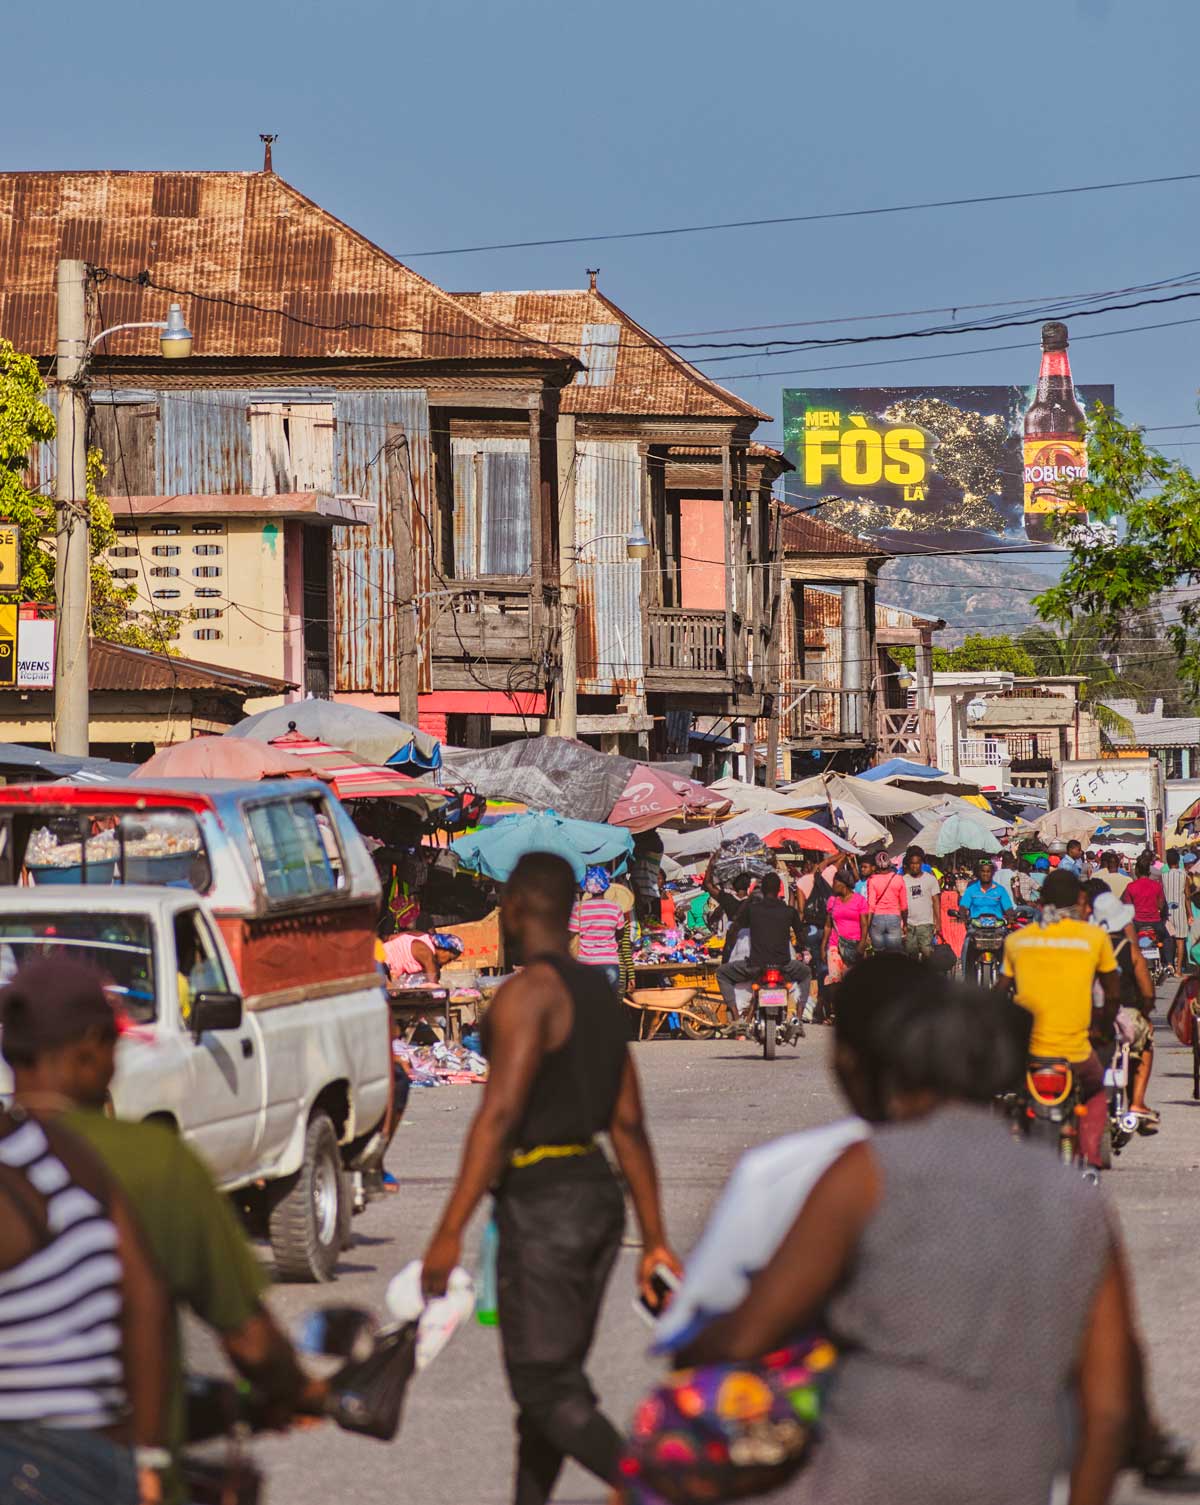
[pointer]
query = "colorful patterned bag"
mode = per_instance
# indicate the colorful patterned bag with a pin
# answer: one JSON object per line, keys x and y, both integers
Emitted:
{"x": 727, "y": 1431}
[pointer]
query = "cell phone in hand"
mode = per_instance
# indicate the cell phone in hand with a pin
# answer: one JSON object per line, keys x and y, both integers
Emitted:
{"x": 663, "y": 1285}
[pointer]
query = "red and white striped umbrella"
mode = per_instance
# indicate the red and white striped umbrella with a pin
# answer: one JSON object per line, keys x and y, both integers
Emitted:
{"x": 354, "y": 780}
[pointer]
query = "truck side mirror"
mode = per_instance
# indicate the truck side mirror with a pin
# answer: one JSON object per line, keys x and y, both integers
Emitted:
{"x": 215, "y": 1011}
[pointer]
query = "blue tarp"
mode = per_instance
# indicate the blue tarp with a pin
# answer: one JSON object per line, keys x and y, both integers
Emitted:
{"x": 17, "y": 759}
{"x": 494, "y": 852}
{"x": 902, "y": 768}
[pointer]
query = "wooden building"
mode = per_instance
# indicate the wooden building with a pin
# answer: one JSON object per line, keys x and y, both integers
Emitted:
{"x": 438, "y": 428}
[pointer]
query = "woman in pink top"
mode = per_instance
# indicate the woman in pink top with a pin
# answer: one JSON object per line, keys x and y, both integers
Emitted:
{"x": 1149, "y": 905}
{"x": 845, "y": 936}
{"x": 413, "y": 956}
{"x": 887, "y": 905}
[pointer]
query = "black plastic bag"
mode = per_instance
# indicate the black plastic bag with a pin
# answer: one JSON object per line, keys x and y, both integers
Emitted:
{"x": 368, "y": 1396}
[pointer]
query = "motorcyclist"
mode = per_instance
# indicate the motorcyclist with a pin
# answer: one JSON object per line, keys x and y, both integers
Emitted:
{"x": 983, "y": 899}
{"x": 1137, "y": 995}
{"x": 1051, "y": 967}
{"x": 773, "y": 926}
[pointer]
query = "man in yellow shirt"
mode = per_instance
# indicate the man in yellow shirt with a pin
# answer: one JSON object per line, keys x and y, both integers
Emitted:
{"x": 1051, "y": 967}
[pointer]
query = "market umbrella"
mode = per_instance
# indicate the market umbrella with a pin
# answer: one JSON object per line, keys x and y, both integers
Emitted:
{"x": 683, "y": 845}
{"x": 654, "y": 795}
{"x": 810, "y": 839}
{"x": 1067, "y": 823}
{"x": 219, "y": 758}
{"x": 496, "y": 850}
{"x": 352, "y": 779}
{"x": 369, "y": 735}
{"x": 957, "y": 833}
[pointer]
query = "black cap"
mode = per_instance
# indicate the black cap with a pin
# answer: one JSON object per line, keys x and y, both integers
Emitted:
{"x": 1054, "y": 336}
{"x": 51, "y": 1003}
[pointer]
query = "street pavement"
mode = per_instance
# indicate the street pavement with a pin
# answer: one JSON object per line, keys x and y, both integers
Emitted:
{"x": 707, "y": 1103}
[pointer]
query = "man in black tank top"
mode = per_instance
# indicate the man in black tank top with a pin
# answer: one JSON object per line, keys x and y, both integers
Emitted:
{"x": 560, "y": 1074}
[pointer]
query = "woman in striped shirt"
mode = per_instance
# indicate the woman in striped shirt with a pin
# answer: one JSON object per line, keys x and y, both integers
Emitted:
{"x": 597, "y": 920}
{"x": 83, "y": 1328}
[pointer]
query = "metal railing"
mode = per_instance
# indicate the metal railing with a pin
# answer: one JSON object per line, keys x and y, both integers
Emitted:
{"x": 976, "y": 752}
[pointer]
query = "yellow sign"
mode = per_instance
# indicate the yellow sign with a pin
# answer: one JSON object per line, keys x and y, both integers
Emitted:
{"x": 8, "y": 644}
{"x": 10, "y": 556}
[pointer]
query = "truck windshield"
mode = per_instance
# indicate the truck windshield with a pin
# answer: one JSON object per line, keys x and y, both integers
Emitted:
{"x": 118, "y": 946}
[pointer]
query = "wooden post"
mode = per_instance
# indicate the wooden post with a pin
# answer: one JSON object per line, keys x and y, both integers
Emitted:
{"x": 731, "y": 665}
{"x": 540, "y": 506}
{"x": 401, "y": 504}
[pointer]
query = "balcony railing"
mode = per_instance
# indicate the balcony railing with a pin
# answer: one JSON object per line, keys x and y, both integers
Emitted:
{"x": 973, "y": 752}
{"x": 906, "y": 733}
{"x": 687, "y": 648}
{"x": 488, "y": 622}
{"x": 820, "y": 711}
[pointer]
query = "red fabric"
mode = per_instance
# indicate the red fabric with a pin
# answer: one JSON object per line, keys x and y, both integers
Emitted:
{"x": 954, "y": 932}
{"x": 812, "y": 839}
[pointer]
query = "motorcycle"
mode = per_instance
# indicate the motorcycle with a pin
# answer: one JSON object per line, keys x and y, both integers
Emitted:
{"x": 1148, "y": 945}
{"x": 772, "y": 1023}
{"x": 1048, "y": 1107}
{"x": 984, "y": 945}
{"x": 1122, "y": 1124}
{"x": 365, "y": 1395}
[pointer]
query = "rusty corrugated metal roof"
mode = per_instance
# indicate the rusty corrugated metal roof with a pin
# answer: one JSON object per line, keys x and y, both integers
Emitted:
{"x": 112, "y": 666}
{"x": 805, "y": 534}
{"x": 250, "y": 238}
{"x": 650, "y": 378}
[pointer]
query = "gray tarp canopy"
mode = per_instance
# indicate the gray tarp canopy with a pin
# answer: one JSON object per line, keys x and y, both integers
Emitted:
{"x": 17, "y": 759}
{"x": 545, "y": 773}
{"x": 370, "y": 735}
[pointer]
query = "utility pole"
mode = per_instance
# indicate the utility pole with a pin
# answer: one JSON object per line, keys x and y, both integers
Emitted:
{"x": 404, "y": 578}
{"x": 568, "y": 722}
{"x": 72, "y": 566}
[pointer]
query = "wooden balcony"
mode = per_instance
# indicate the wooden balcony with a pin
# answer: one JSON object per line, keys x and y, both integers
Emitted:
{"x": 482, "y": 632}
{"x": 827, "y": 714}
{"x": 687, "y": 650}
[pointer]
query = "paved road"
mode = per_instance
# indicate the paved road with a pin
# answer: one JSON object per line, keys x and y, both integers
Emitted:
{"x": 708, "y": 1103}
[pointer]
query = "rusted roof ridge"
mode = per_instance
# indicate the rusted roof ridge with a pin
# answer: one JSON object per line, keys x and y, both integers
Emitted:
{"x": 686, "y": 367}
{"x": 542, "y": 348}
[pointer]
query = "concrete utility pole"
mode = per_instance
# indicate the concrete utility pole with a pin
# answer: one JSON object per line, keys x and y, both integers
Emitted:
{"x": 568, "y": 721}
{"x": 72, "y": 568}
{"x": 404, "y": 576}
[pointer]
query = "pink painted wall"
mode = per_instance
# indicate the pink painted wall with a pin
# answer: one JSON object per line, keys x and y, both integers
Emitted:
{"x": 702, "y": 550}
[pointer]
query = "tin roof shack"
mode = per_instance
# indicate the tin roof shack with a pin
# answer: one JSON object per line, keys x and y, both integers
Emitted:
{"x": 141, "y": 701}
{"x": 321, "y": 365}
{"x": 647, "y": 442}
{"x": 1173, "y": 740}
{"x": 844, "y": 700}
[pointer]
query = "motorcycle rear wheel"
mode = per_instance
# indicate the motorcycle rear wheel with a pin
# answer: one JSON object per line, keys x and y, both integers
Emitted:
{"x": 768, "y": 1039}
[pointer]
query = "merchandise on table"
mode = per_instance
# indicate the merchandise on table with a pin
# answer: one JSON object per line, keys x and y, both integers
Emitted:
{"x": 439, "y": 1065}
{"x": 653, "y": 948}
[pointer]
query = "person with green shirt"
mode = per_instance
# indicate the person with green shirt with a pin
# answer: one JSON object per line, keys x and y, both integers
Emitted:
{"x": 62, "y": 1067}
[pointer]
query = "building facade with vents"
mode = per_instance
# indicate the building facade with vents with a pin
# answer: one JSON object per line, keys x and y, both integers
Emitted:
{"x": 406, "y": 447}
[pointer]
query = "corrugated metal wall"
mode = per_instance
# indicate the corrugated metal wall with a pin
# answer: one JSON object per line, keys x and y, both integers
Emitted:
{"x": 364, "y": 642}
{"x": 204, "y": 448}
{"x": 492, "y": 519}
{"x": 608, "y": 500}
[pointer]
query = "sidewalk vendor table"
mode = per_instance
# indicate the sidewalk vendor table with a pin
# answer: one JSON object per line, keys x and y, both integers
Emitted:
{"x": 412, "y": 1004}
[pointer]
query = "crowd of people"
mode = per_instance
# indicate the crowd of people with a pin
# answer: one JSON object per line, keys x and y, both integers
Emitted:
{"x": 917, "y": 1236}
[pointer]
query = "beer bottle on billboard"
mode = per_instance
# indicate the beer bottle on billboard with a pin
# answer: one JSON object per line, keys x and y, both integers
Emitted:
{"x": 1055, "y": 451}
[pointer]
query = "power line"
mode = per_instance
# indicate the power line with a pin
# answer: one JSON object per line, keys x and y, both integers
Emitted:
{"x": 899, "y": 360}
{"x": 803, "y": 219}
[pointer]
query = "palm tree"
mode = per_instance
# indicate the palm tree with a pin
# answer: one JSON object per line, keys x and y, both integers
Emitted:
{"x": 1081, "y": 652}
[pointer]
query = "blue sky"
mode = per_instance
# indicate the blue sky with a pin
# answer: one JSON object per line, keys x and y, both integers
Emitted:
{"x": 452, "y": 123}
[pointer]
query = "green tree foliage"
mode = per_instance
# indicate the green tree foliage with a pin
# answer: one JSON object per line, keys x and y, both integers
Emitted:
{"x": 1143, "y": 539}
{"x": 25, "y": 422}
{"x": 1081, "y": 651}
{"x": 976, "y": 654}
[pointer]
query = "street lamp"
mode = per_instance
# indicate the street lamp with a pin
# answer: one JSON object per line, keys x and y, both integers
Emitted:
{"x": 637, "y": 545}
{"x": 174, "y": 341}
{"x": 72, "y": 564}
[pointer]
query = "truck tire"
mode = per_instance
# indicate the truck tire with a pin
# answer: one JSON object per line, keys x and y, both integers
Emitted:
{"x": 309, "y": 1210}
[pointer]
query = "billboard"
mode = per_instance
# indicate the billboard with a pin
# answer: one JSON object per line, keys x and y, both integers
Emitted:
{"x": 940, "y": 468}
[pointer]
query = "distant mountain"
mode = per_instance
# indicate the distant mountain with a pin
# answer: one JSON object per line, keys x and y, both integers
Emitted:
{"x": 986, "y": 595}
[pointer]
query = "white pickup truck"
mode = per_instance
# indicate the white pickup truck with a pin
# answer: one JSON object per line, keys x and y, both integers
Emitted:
{"x": 280, "y": 1101}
